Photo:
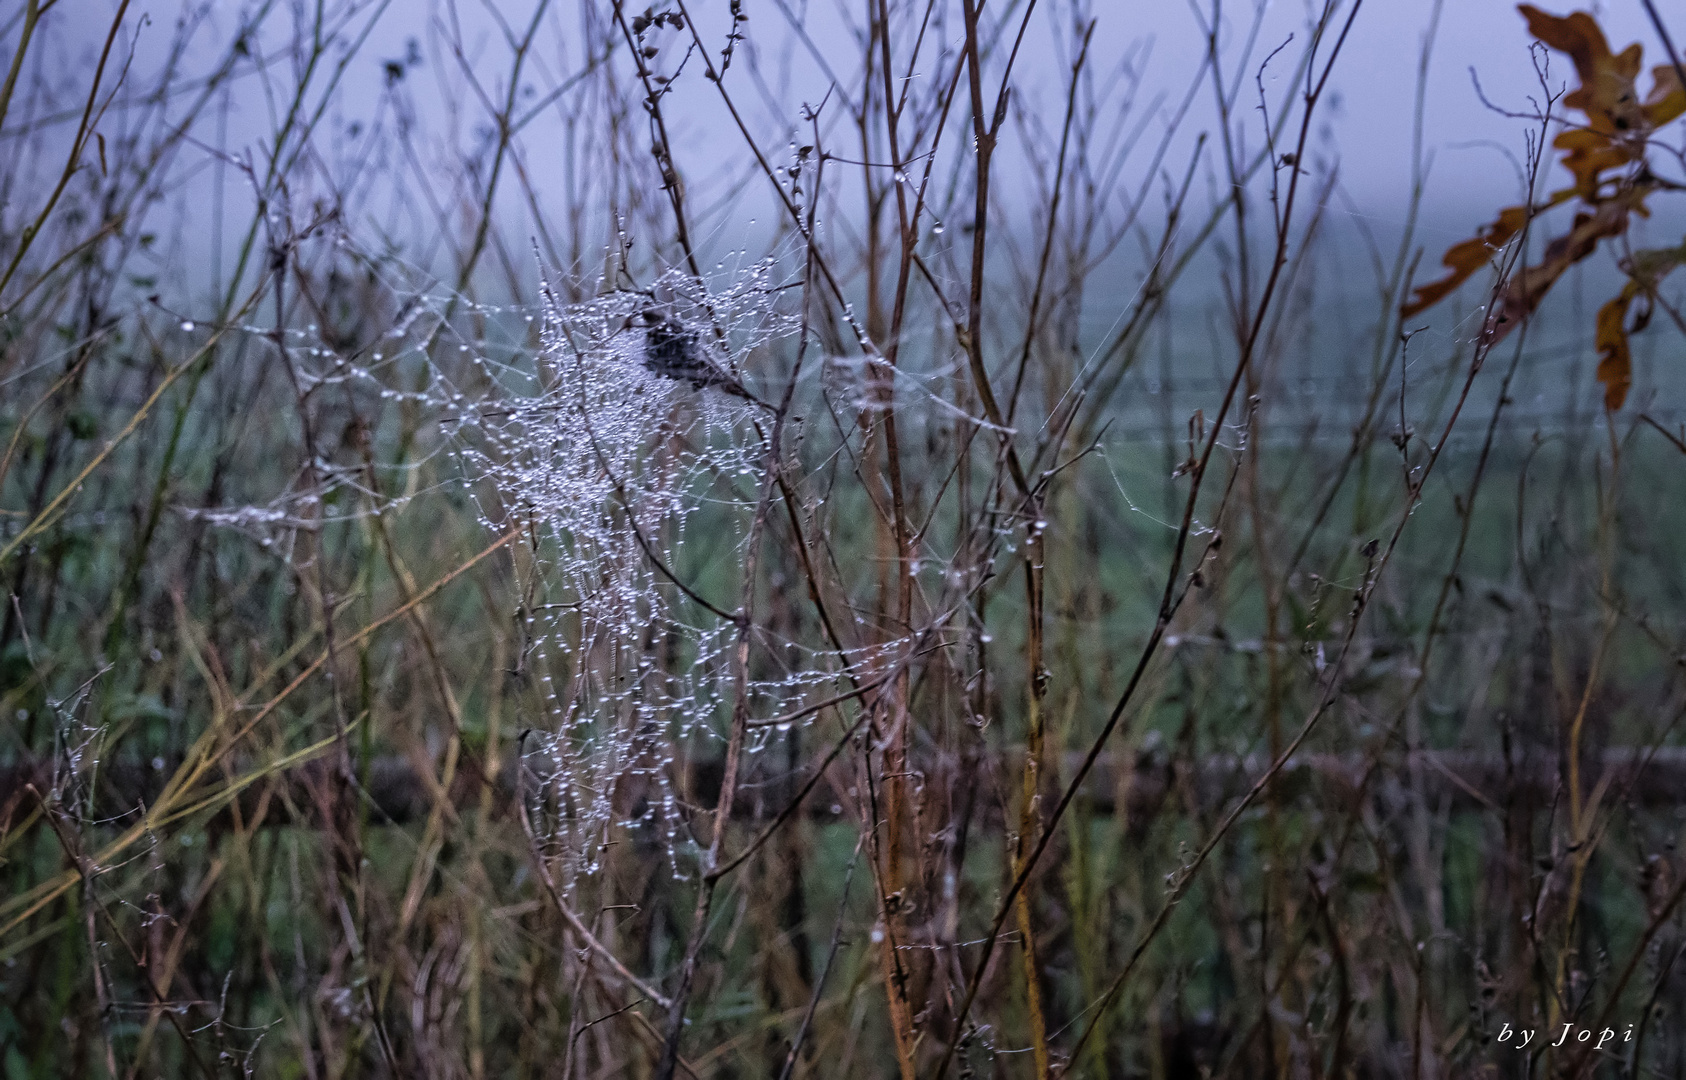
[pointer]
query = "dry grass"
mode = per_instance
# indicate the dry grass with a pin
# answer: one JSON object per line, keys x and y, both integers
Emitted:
{"x": 1044, "y": 676}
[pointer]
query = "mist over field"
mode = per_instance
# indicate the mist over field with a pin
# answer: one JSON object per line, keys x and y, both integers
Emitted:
{"x": 801, "y": 539}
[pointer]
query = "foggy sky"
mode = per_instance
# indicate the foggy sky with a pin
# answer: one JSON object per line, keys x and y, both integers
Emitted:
{"x": 1368, "y": 120}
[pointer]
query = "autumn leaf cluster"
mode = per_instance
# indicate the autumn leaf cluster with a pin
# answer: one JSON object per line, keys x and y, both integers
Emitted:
{"x": 1605, "y": 151}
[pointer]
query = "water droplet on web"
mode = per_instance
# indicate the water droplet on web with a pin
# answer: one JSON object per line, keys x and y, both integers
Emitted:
{"x": 187, "y": 326}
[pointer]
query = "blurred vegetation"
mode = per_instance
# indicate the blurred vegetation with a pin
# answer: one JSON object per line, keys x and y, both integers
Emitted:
{"x": 1191, "y": 669}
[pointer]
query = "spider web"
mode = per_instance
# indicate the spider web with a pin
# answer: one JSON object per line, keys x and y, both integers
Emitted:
{"x": 619, "y": 475}
{"x": 625, "y": 483}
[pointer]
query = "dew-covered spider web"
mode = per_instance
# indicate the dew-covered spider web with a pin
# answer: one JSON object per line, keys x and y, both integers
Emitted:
{"x": 637, "y": 490}
{"x": 633, "y": 479}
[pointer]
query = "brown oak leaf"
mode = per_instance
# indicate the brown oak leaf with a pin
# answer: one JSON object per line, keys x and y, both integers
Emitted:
{"x": 1607, "y": 93}
{"x": 1468, "y": 256}
{"x": 1615, "y": 357}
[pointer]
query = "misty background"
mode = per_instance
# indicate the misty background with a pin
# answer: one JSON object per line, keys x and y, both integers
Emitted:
{"x": 411, "y": 108}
